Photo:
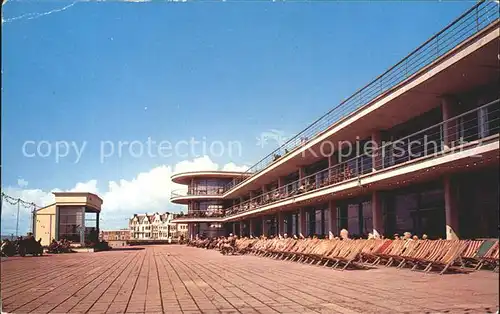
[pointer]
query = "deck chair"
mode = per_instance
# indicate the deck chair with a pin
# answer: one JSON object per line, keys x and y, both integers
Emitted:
{"x": 410, "y": 248}
{"x": 350, "y": 255}
{"x": 492, "y": 256}
{"x": 483, "y": 251}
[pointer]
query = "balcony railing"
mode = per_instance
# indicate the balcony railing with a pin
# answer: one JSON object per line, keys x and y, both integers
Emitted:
{"x": 468, "y": 24}
{"x": 203, "y": 214}
{"x": 451, "y": 135}
{"x": 210, "y": 191}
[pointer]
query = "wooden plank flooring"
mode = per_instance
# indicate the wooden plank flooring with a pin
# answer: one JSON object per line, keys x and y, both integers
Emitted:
{"x": 179, "y": 279}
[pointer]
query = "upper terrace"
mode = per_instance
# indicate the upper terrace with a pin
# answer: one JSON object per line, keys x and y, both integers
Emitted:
{"x": 462, "y": 55}
{"x": 202, "y": 185}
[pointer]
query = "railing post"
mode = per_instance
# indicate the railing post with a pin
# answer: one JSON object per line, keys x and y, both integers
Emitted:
{"x": 449, "y": 127}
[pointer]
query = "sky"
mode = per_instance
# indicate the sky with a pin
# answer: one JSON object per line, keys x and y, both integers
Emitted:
{"x": 114, "y": 97}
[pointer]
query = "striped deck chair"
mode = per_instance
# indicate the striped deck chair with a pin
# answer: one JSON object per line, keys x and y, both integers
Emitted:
{"x": 287, "y": 251}
{"x": 492, "y": 256}
{"x": 319, "y": 251}
{"x": 373, "y": 257}
{"x": 351, "y": 255}
{"x": 284, "y": 246}
{"x": 441, "y": 254}
{"x": 271, "y": 248}
{"x": 370, "y": 247}
{"x": 301, "y": 252}
{"x": 326, "y": 247}
{"x": 344, "y": 252}
{"x": 335, "y": 251}
{"x": 426, "y": 248}
{"x": 309, "y": 249}
{"x": 410, "y": 249}
{"x": 447, "y": 260}
{"x": 468, "y": 256}
{"x": 281, "y": 248}
{"x": 297, "y": 250}
{"x": 395, "y": 250}
{"x": 435, "y": 250}
{"x": 487, "y": 246}
{"x": 383, "y": 255}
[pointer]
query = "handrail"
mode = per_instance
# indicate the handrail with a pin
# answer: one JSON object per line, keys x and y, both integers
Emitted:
{"x": 471, "y": 22}
{"x": 452, "y": 134}
{"x": 205, "y": 191}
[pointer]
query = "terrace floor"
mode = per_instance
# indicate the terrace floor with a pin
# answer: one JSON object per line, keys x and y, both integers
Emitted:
{"x": 179, "y": 279}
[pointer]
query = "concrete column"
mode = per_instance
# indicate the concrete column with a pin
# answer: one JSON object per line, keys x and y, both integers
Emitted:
{"x": 332, "y": 161}
{"x": 251, "y": 227}
{"x": 192, "y": 232}
{"x": 302, "y": 172}
{"x": 252, "y": 194}
{"x": 377, "y": 214}
{"x": 264, "y": 189}
{"x": 82, "y": 230}
{"x": 242, "y": 233}
{"x": 302, "y": 222}
{"x": 281, "y": 181}
{"x": 377, "y": 152}
{"x": 289, "y": 224}
{"x": 482, "y": 119}
{"x": 450, "y": 129}
{"x": 264, "y": 226}
{"x": 234, "y": 228}
{"x": 281, "y": 223}
{"x": 96, "y": 224}
{"x": 332, "y": 218}
{"x": 451, "y": 209}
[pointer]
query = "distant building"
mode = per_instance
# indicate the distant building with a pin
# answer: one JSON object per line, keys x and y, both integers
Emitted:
{"x": 116, "y": 238}
{"x": 73, "y": 216}
{"x": 157, "y": 226}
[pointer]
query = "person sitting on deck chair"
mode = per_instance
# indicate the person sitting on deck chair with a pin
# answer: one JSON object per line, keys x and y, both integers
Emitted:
{"x": 344, "y": 234}
{"x": 227, "y": 246}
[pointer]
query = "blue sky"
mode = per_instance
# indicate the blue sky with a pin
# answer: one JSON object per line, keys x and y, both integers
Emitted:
{"x": 171, "y": 71}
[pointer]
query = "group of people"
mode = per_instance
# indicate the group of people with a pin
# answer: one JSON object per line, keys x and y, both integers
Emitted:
{"x": 223, "y": 244}
{"x": 21, "y": 246}
{"x": 63, "y": 246}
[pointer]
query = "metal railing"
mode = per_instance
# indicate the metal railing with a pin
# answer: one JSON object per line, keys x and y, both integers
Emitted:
{"x": 452, "y": 135}
{"x": 203, "y": 214}
{"x": 474, "y": 20}
{"x": 208, "y": 191}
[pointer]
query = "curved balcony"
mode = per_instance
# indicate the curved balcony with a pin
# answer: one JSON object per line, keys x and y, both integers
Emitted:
{"x": 467, "y": 139}
{"x": 186, "y": 177}
{"x": 182, "y": 196}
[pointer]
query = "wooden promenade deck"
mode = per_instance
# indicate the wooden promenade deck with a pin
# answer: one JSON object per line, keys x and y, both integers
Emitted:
{"x": 179, "y": 279}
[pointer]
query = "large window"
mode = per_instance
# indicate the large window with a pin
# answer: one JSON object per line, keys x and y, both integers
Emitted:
{"x": 70, "y": 223}
{"x": 209, "y": 207}
{"x": 207, "y": 187}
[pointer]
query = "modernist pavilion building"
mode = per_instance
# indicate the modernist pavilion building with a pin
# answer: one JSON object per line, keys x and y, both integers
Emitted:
{"x": 416, "y": 149}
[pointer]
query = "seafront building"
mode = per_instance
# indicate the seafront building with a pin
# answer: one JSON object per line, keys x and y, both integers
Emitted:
{"x": 416, "y": 150}
{"x": 156, "y": 226}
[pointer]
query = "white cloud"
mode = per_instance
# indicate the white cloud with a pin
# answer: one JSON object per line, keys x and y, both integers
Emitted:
{"x": 233, "y": 167}
{"x": 22, "y": 183}
{"x": 147, "y": 192}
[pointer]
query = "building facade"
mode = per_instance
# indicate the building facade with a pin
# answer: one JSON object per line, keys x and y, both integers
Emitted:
{"x": 116, "y": 238}
{"x": 74, "y": 216}
{"x": 157, "y": 226}
{"x": 416, "y": 149}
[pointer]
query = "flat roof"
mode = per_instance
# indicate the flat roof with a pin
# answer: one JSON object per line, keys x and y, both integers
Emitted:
{"x": 185, "y": 177}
